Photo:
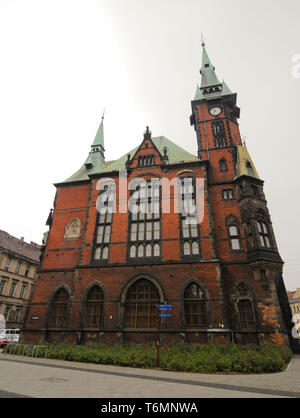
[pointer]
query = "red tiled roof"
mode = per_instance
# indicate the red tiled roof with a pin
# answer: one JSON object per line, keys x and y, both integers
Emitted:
{"x": 18, "y": 247}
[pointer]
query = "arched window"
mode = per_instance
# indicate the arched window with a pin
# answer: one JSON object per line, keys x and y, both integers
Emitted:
{"x": 234, "y": 237}
{"x": 58, "y": 310}
{"x": 93, "y": 308}
{"x": 233, "y": 229}
{"x": 223, "y": 165}
{"x": 246, "y": 315}
{"x": 140, "y": 309}
{"x": 263, "y": 231}
{"x": 245, "y": 308}
{"x": 194, "y": 307}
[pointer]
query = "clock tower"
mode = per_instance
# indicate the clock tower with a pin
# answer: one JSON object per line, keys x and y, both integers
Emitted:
{"x": 242, "y": 226}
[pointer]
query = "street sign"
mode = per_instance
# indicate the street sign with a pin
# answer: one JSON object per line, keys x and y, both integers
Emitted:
{"x": 162, "y": 313}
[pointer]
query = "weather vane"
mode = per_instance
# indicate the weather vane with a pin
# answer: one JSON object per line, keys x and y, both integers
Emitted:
{"x": 202, "y": 40}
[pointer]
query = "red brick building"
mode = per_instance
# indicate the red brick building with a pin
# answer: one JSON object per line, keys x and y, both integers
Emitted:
{"x": 102, "y": 274}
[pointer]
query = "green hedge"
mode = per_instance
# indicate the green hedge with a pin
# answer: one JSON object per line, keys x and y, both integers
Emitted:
{"x": 266, "y": 358}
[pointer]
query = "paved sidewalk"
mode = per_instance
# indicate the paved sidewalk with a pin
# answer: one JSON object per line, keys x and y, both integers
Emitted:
{"x": 57, "y": 378}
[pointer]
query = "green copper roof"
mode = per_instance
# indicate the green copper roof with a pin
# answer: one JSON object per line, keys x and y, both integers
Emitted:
{"x": 207, "y": 72}
{"x": 211, "y": 87}
{"x": 95, "y": 160}
{"x": 175, "y": 155}
{"x": 99, "y": 138}
{"x": 245, "y": 166}
{"x": 219, "y": 91}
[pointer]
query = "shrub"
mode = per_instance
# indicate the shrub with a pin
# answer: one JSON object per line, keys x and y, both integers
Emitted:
{"x": 267, "y": 358}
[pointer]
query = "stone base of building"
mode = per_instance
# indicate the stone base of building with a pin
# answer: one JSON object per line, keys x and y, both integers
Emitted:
{"x": 150, "y": 337}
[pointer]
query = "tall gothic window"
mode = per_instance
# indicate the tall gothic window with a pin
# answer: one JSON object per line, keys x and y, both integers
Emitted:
{"x": 106, "y": 207}
{"x": 194, "y": 307}
{"x": 58, "y": 310}
{"x": 103, "y": 234}
{"x": 263, "y": 234}
{"x": 245, "y": 308}
{"x": 144, "y": 229}
{"x": 263, "y": 231}
{"x": 190, "y": 229}
{"x": 140, "y": 307}
{"x": 219, "y": 134}
{"x": 93, "y": 308}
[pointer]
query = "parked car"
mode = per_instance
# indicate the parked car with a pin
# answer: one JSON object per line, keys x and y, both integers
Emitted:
{"x": 3, "y": 341}
{"x": 12, "y": 334}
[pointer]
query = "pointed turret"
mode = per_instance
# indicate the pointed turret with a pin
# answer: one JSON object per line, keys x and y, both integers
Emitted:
{"x": 211, "y": 87}
{"x": 97, "y": 152}
{"x": 95, "y": 160}
{"x": 244, "y": 165}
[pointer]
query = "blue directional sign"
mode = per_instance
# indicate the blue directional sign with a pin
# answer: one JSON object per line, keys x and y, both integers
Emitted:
{"x": 165, "y": 315}
{"x": 164, "y": 307}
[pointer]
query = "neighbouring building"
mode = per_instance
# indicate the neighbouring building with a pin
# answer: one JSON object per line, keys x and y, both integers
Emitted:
{"x": 104, "y": 271}
{"x": 294, "y": 300}
{"x": 19, "y": 262}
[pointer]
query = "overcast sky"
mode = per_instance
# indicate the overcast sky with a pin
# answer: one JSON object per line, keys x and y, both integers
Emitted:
{"x": 64, "y": 61}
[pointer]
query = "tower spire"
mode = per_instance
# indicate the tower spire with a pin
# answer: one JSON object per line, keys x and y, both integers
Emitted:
{"x": 209, "y": 77}
{"x": 96, "y": 154}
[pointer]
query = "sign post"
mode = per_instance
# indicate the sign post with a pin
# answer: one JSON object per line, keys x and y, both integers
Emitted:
{"x": 162, "y": 309}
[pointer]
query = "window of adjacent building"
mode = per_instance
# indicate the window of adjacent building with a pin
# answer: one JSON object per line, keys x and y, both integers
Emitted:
{"x": 234, "y": 237}
{"x": 6, "y": 312}
{"x": 58, "y": 310}
{"x": 194, "y": 307}
{"x": 223, "y": 165}
{"x": 93, "y": 308}
{"x": 140, "y": 307}
{"x": 263, "y": 234}
{"x": 18, "y": 314}
{"x": 190, "y": 229}
{"x": 23, "y": 291}
{"x": 12, "y": 289}
{"x": 144, "y": 228}
{"x": 27, "y": 270}
{"x": 18, "y": 266}
{"x": 7, "y": 265}
{"x": 227, "y": 194}
{"x": 2, "y": 286}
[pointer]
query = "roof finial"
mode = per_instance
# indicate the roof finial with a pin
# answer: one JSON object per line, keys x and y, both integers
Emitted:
{"x": 103, "y": 114}
{"x": 202, "y": 40}
{"x": 147, "y": 134}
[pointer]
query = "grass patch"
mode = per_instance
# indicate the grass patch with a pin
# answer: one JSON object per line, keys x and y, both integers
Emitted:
{"x": 267, "y": 358}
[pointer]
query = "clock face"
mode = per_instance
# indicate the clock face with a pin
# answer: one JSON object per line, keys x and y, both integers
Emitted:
{"x": 215, "y": 111}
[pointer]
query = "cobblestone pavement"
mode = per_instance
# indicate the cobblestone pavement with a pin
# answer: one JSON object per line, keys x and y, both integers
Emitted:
{"x": 23, "y": 376}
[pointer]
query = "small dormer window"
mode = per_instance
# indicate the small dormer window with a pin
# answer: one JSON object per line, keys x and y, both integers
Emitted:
{"x": 146, "y": 160}
{"x": 206, "y": 65}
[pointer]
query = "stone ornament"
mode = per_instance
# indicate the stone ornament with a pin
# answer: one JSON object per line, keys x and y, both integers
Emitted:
{"x": 73, "y": 229}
